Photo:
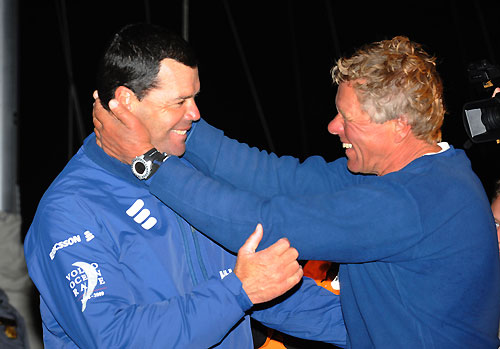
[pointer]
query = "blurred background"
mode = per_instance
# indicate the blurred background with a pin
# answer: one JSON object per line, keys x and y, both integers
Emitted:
{"x": 264, "y": 69}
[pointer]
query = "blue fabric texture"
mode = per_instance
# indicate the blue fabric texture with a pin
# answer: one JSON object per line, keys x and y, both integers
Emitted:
{"x": 116, "y": 268}
{"x": 418, "y": 249}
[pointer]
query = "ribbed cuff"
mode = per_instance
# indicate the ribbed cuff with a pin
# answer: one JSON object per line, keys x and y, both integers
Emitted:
{"x": 234, "y": 285}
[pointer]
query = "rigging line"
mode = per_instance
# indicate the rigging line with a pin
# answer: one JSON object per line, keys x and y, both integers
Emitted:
{"x": 253, "y": 90}
{"x": 459, "y": 37}
{"x": 484, "y": 30}
{"x": 72, "y": 93}
{"x": 63, "y": 28}
{"x": 298, "y": 83}
{"x": 333, "y": 29}
{"x": 147, "y": 11}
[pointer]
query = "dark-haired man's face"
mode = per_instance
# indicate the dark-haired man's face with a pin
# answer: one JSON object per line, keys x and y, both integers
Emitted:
{"x": 168, "y": 110}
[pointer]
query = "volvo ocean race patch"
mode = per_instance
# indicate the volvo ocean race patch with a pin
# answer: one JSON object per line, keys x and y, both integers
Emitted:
{"x": 86, "y": 282}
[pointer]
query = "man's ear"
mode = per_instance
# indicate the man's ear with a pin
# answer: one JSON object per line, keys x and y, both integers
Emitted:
{"x": 125, "y": 96}
{"x": 402, "y": 128}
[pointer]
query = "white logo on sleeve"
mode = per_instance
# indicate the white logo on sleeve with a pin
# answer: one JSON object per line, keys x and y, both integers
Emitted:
{"x": 69, "y": 242}
{"x": 86, "y": 282}
{"x": 88, "y": 236}
{"x": 141, "y": 215}
{"x": 224, "y": 273}
{"x": 65, "y": 243}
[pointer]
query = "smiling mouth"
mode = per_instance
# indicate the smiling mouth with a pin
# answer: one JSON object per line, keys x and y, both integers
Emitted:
{"x": 346, "y": 145}
{"x": 180, "y": 132}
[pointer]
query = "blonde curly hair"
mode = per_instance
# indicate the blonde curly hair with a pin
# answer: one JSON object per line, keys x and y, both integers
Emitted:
{"x": 394, "y": 78}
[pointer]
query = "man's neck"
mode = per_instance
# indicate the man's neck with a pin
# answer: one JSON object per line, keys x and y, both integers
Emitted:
{"x": 405, "y": 152}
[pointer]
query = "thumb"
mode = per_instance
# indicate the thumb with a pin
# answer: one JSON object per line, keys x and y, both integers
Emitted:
{"x": 253, "y": 240}
{"x": 123, "y": 114}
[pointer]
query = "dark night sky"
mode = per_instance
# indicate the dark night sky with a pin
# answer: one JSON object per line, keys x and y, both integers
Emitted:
{"x": 289, "y": 47}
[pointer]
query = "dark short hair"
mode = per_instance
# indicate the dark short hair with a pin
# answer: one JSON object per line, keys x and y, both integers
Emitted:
{"x": 132, "y": 59}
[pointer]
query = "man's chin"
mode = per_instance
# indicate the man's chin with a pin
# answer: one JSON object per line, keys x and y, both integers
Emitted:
{"x": 358, "y": 170}
{"x": 353, "y": 167}
{"x": 179, "y": 151}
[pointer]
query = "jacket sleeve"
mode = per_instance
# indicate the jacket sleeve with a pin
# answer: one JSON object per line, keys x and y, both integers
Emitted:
{"x": 263, "y": 173}
{"x": 309, "y": 312}
{"x": 332, "y": 226}
{"x": 82, "y": 283}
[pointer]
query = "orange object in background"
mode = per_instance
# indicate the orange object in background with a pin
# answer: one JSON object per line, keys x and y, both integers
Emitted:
{"x": 325, "y": 275}
{"x": 318, "y": 271}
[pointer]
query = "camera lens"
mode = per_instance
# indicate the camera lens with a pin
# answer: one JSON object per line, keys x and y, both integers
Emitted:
{"x": 490, "y": 115}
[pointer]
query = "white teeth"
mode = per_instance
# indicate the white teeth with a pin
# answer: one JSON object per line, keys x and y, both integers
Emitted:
{"x": 346, "y": 145}
{"x": 180, "y": 132}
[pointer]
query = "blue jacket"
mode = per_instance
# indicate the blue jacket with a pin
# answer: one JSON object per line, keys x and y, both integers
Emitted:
{"x": 116, "y": 268}
{"x": 418, "y": 247}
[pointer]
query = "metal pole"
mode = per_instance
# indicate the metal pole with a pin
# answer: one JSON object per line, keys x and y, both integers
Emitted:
{"x": 14, "y": 279}
{"x": 9, "y": 198}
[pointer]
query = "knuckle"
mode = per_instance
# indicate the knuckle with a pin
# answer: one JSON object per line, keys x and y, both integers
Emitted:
{"x": 285, "y": 242}
{"x": 300, "y": 273}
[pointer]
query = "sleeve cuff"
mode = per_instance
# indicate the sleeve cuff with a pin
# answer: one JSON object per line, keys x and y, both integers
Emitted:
{"x": 234, "y": 285}
{"x": 202, "y": 145}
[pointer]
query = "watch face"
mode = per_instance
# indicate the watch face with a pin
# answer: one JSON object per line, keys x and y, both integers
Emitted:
{"x": 145, "y": 165}
{"x": 139, "y": 167}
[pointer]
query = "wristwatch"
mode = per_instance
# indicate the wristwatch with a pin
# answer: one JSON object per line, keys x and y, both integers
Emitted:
{"x": 145, "y": 165}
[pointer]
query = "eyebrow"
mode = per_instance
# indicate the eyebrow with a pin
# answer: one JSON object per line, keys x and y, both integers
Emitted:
{"x": 187, "y": 97}
{"x": 341, "y": 112}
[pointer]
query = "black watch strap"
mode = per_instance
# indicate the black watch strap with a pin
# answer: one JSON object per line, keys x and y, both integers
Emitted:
{"x": 156, "y": 156}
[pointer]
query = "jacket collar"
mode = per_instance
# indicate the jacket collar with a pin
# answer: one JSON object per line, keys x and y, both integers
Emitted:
{"x": 110, "y": 164}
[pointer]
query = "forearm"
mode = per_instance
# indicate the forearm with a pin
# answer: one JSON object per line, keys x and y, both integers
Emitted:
{"x": 319, "y": 226}
{"x": 249, "y": 168}
{"x": 200, "y": 318}
{"x": 310, "y": 312}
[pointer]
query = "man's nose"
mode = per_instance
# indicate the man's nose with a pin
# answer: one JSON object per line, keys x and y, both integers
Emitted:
{"x": 336, "y": 126}
{"x": 193, "y": 113}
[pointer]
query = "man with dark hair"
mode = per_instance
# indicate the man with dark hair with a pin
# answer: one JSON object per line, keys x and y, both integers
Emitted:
{"x": 132, "y": 62}
{"x": 116, "y": 268}
{"x": 403, "y": 213}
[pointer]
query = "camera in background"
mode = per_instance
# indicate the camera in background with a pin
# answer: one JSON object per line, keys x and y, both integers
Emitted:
{"x": 482, "y": 117}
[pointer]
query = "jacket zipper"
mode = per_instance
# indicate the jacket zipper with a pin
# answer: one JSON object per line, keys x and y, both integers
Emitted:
{"x": 187, "y": 250}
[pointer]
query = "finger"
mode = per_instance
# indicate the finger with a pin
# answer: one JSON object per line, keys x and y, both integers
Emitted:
{"x": 253, "y": 240}
{"x": 122, "y": 114}
{"x": 290, "y": 255}
{"x": 296, "y": 277}
{"x": 279, "y": 247}
{"x": 496, "y": 91}
{"x": 292, "y": 280}
{"x": 97, "y": 123}
{"x": 294, "y": 271}
{"x": 291, "y": 268}
{"x": 99, "y": 113}
{"x": 97, "y": 133}
{"x": 97, "y": 137}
